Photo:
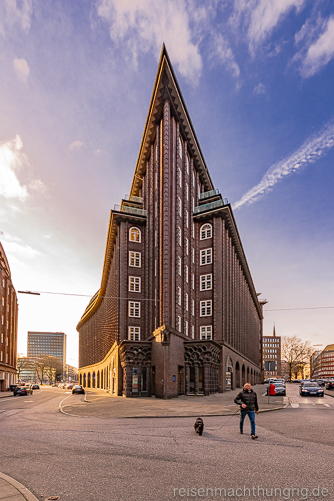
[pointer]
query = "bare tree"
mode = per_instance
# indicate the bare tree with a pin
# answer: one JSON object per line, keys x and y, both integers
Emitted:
{"x": 21, "y": 364}
{"x": 54, "y": 367}
{"x": 296, "y": 353}
{"x": 40, "y": 367}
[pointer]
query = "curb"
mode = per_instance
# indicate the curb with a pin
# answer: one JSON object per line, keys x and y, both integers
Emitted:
{"x": 19, "y": 487}
{"x": 175, "y": 416}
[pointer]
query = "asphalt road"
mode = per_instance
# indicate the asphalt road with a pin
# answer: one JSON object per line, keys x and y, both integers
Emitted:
{"x": 92, "y": 459}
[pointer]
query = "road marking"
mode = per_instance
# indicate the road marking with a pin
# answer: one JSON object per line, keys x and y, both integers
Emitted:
{"x": 327, "y": 405}
{"x": 29, "y": 401}
{"x": 294, "y": 406}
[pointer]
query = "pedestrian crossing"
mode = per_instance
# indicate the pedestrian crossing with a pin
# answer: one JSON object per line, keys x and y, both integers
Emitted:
{"x": 295, "y": 405}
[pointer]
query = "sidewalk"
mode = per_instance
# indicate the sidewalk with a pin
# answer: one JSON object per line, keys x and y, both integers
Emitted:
{"x": 11, "y": 490}
{"x": 4, "y": 394}
{"x": 98, "y": 403}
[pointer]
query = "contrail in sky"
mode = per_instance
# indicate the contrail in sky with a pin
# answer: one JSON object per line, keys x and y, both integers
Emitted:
{"x": 313, "y": 148}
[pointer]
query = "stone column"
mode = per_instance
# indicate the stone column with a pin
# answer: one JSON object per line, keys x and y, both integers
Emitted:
{"x": 207, "y": 379}
{"x": 196, "y": 377}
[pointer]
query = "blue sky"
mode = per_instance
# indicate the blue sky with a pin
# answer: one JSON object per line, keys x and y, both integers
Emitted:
{"x": 257, "y": 77}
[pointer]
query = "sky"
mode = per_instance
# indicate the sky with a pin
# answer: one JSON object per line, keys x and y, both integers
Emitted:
{"x": 257, "y": 77}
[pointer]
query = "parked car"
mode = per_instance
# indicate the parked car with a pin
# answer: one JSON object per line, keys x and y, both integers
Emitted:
{"x": 330, "y": 385}
{"x": 35, "y": 386}
{"x": 77, "y": 389}
{"x": 310, "y": 388}
{"x": 279, "y": 389}
{"x": 69, "y": 386}
{"x": 23, "y": 390}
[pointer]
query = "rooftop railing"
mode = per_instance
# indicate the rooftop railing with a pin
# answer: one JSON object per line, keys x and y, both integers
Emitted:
{"x": 133, "y": 198}
{"x": 210, "y": 206}
{"x": 209, "y": 194}
{"x": 130, "y": 210}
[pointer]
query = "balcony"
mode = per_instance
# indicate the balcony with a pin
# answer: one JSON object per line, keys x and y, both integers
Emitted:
{"x": 130, "y": 210}
{"x": 210, "y": 206}
{"x": 209, "y": 194}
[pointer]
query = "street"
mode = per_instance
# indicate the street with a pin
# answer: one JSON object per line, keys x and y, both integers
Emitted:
{"x": 94, "y": 459}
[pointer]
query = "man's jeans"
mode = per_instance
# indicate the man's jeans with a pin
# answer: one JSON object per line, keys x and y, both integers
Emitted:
{"x": 251, "y": 415}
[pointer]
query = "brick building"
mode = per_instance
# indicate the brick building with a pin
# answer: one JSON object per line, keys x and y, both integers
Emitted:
{"x": 8, "y": 325}
{"x": 322, "y": 363}
{"x": 177, "y": 311}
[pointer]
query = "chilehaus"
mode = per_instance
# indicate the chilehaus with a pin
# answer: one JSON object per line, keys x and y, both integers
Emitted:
{"x": 177, "y": 311}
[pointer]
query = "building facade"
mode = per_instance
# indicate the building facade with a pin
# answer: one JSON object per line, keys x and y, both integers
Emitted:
{"x": 271, "y": 352}
{"x": 322, "y": 363}
{"x": 8, "y": 325}
{"x": 177, "y": 311}
{"x": 48, "y": 344}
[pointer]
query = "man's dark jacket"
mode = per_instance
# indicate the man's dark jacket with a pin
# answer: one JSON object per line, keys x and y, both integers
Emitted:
{"x": 249, "y": 398}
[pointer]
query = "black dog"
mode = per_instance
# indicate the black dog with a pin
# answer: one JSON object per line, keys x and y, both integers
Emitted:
{"x": 199, "y": 426}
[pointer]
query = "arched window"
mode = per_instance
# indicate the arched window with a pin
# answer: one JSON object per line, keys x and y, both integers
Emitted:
{"x": 135, "y": 235}
{"x": 206, "y": 231}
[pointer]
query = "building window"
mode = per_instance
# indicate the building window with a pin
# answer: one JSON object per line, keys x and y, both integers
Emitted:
{"x": 3, "y": 301}
{"x": 193, "y": 281}
{"x": 179, "y": 235}
{"x": 179, "y": 265}
{"x": 193, "y": 308}
{"x": 187, "y": 274}
{"x": 206, "y": 332}
{"x": 194, "y": 179}
{"x": 206, "y": 231}
{"x": 135, "y": 259}
{"x": 193, "y": 255}
{"x": 134, "y": 309}
{"x": 206, "y": 308}
{"x": 206, "y": 256}
{"x": 179, "y": 177}
{"x": 134, "y": 284}
{"x": 134, "y": 333}
{"x": 187, "y": 192}
{"x": 187, "y": 302}
{"x": 187, "y": 163}
{"x": 135, "y": 235}
{"x": 186, "y": 328}
{"x": 192, "y": 331}
{"x": 206, "y": 282}
{"x": 179, "y": 206}
{"x": 179, "y": 295}
{"x": 193, "y": 230}
{"x": 1, "y": 357}
{"x": 179, "y": 323}
{"x": 180, "y": 143}
{"x": 187, "y": 246}
{"x": 1, "y": 338}
{"x": 187, "y": 219}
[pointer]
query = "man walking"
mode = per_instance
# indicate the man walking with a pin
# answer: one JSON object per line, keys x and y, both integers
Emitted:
{"x": 247, "y": 399}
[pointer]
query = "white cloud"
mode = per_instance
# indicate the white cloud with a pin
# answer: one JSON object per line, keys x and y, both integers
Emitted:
{"x": 37, "y": 185}
{"x": 262, "y": 17}
{"x": 75, "y": 145}
{"x": 22, "y": 69}
{"x": 12, "y": 12}
{"x": 309, "y": 152}
{"x": 223, "y": 52}
{"x": 20, "y": 251}
{"x": 11, "y": 160}
{"x": 320, "y": 52}
{"x": 146, "y": 24}
{"x": 260, "y": 89}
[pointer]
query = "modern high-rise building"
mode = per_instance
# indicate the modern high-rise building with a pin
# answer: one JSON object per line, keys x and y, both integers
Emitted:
{"x": 177, "y": 311}
{"x": 271, "y": 352}
{"x": 8, "y": 325}
{"x": 47, "y": 343}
